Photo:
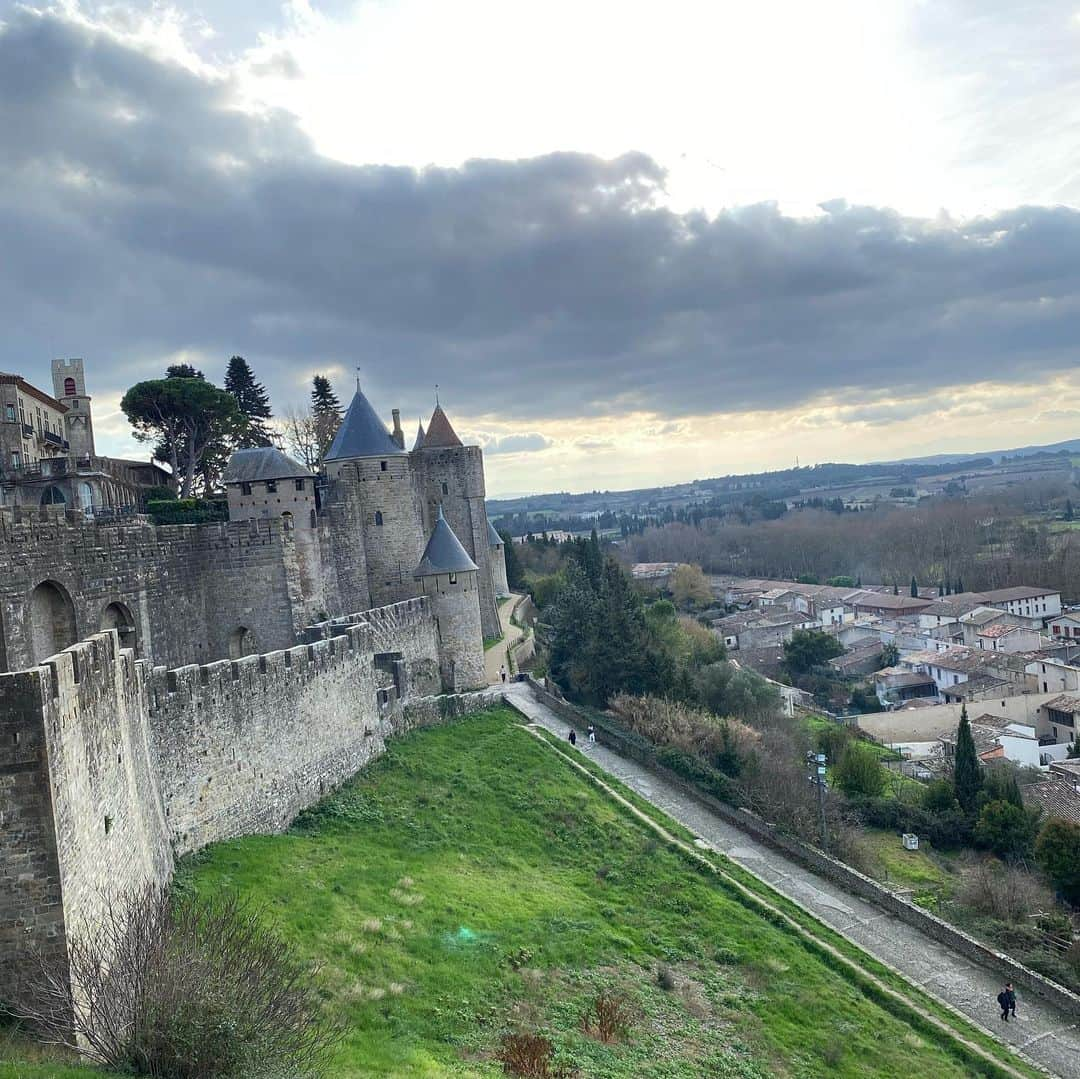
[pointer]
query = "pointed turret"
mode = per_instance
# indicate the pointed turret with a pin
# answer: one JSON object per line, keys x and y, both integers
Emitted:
{"x": 419, "y": 443}
{"x": 444, "y": 553}
{"x": 361, "y": 433}
{"x": 440, "y": 433}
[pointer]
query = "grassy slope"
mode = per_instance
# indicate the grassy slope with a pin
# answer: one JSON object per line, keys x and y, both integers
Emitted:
{"x": 469, "y": 850}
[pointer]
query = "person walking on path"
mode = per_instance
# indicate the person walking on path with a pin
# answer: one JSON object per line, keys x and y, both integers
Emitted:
{"x": 502, "y": 672}
{"x": 592, "y": 733}
{"x": 1007, "y": 1000}
{"x": 572, "y": 736}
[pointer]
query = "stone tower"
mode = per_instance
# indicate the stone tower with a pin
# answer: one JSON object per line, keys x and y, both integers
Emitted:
{"x": 452, "y": 477}
{"x": 449, "y": 577}
{"x": 498, "y": 562}
{"x": 69, "y": 388}
{"x": 374, "y": 513}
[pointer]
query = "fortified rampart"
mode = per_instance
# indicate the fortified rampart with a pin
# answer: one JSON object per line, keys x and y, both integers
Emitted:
{"x": 176, "y": 593}
{"x": 110, "y": 767}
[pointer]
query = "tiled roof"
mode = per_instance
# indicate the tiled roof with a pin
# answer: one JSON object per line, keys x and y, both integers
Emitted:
{"x": 1056, "y": 795}
{"x": 1065, "y": 703}
{"x": 419, "y": 443}
{"x": 443, "y": 553}
{"x": 440, "y": 434}
{"x": 361, "y": 434}
{"x": 262, "y": 463}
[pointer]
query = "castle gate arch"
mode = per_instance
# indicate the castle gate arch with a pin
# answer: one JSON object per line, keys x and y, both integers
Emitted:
{"x": 241, "y": 643}
{"x": 53, "y": 496}
{"x": 118, "y": 616}
{"x": 52, "y": 620}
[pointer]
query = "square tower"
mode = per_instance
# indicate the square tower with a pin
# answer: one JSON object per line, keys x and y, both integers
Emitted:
{"x": 69, "y": 388}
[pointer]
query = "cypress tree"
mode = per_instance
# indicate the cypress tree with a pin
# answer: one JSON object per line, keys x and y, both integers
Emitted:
{"x": 959, "y": 585}
{"x": 895, "y": 589}
{"x": 914, "y": 588}
{"x": 325, "y": 411}
{"x": 253, "y": 400}
{"x": 967, "y": 779}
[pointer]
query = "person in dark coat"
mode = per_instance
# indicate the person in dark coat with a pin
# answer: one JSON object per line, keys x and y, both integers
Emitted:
{"x": 1007, "y": 1000}
{"x": 573, "y": 737}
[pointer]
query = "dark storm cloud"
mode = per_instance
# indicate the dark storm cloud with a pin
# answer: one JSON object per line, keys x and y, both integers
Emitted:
{"x": 142, "y": 213}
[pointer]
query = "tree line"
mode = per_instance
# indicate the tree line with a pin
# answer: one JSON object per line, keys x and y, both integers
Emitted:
{"x": 195, "y": 425}
{"x": 987, "y": 542}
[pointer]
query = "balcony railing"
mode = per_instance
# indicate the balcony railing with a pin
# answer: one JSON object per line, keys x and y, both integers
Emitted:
{"x": 52, "y": 438}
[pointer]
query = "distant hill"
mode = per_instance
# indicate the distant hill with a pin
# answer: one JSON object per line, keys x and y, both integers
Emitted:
{"x": 1070, "y": 446}
{"x": 778, "y": 485}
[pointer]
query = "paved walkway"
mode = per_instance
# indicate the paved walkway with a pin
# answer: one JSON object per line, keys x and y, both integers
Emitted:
{"x": 1041, "y": 1031}
{"x": 495, "y": 656}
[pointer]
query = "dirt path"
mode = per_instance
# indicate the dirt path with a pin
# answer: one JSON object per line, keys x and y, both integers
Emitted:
{"x": 495, "y": 657}
{"x": 1042, "y": 1032}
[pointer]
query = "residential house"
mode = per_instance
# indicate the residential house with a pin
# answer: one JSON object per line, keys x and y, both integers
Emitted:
{"x": 1057, "y": 718}
{"x": 1065, "y": 626}
{"x": 895, "y": 685}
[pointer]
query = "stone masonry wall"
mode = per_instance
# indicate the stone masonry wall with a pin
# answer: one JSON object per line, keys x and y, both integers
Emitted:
{"x": 188, "y": 588}
{"x": 85, "y": 807}
{"x": 109, "y": 767}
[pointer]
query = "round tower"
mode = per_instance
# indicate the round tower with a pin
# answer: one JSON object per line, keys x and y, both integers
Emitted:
{"x": 498, "y": 562}
{"x": 372, "y": 477}
{"x": 448, "y": 577}
{"x": 452, "y": 476}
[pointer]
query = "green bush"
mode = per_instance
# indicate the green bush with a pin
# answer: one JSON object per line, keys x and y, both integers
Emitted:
{"x": 159, "y": 493}
{"x": 858, "y": 772}
{"x": 188, "y": 511}
{"x": 1057, "y": 851}
{"x": 699, "y": 773}
{"x": 1007, "y": 829}
{"x": 939, "y": 797}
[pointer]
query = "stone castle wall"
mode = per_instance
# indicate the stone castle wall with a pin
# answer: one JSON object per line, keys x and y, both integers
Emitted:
{"x": 188, "y": 588}
{"x": 109, "y": 767}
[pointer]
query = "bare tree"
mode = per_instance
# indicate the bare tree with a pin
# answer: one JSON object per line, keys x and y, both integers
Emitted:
{"x": 302, "y": 434}
{"x": 180, "y": 988}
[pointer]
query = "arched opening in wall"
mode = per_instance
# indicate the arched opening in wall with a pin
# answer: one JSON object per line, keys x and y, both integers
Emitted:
{"x": 53, "y": 496}
{"x": 241, "y": 642}
{"x": 52, "y": 620}
{"x": 313, "y": 520}
{"x": 117, "y": 616}
{"x": 69, "y": 387}
{"x": 86, "y": 498}
{"x": 287, "y": 521}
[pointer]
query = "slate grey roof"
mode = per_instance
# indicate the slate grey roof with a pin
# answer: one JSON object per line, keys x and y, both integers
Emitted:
{"x": 419, "y": 443}
{"x": 262, "y": 463}
{"x": 361, "y": 434}
{"x": 444, "y": 553}
{"x": 493, "y": 537}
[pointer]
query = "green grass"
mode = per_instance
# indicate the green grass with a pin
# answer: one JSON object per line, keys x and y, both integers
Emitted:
{"x": 490, "y": 642}
{"x": 919, "y": 870}
{"x": 22, "y": 1059}
{"x": 470, "y": 881}
{"x": 826, "y": 934}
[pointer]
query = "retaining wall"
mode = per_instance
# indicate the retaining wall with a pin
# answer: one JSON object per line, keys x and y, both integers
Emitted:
{"x": 609, "y": 734}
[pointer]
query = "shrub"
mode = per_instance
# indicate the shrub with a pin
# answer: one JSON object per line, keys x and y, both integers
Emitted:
{"x": 190, "y": 988}
{"x": 187, "y": 511}
{"x": 530, "y": 1055}
{"x": 939, "y": 797}
{"x": 665, "y": 978}
{"x": 833, "y": 740}
{"x": 609, "y": 1017}
{"x": 859, "y": 772}
{"x": 1057, "y": 851}
{"x": 1003, "y": 892}
{"x": 1007, "y": 829}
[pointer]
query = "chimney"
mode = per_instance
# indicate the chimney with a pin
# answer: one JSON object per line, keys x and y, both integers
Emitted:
{"x": 398, "y": 434}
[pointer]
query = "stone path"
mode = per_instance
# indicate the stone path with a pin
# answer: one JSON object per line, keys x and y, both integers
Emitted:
{"x": 495, "y": 656}
{"x": 1041, "y": 1031}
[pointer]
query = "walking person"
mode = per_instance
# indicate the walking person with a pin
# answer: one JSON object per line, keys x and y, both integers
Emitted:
{"x": 592, "y": 734}
{"x": 502, "y": 672}
{"x": 1007, "y": 1000}
{"x": 572, "y": 736}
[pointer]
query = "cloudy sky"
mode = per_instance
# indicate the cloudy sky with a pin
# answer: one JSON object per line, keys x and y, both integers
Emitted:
{"x": 631, "y": 241}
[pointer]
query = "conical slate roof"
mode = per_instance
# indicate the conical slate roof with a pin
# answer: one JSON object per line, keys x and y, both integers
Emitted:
{"x": 262, "y": 463}
{"x": 361, "y": 434}
{"x": 444, "y": 553}
{"x": 439, "y": 432}
{"x": 493, "y": 537}
{"x": 419, "y": 443}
